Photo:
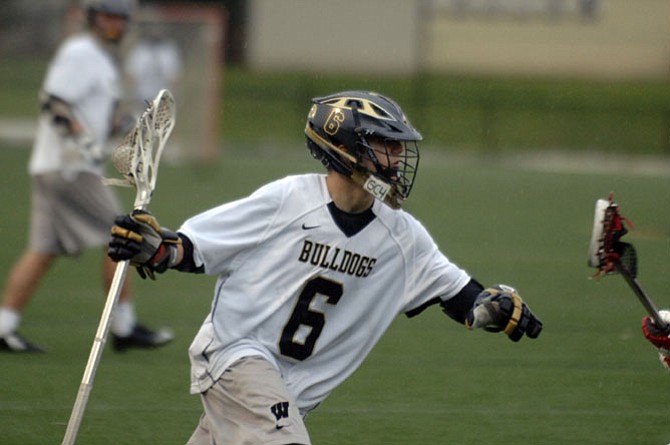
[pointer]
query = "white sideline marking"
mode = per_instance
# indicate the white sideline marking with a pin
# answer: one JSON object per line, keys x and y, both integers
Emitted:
{"x": 16, "y": 130}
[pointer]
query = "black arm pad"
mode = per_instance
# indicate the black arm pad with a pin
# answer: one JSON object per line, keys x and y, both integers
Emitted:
{"x": 460, "y": 304}
{"x": 60, "y": 111}
{"x": 187, "y": 263}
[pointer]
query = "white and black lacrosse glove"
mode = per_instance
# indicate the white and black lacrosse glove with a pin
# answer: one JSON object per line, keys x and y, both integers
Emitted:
{"x": 500, "y": 308}
{"x": 658, "y": 337}
{"x": 139, "y": 239}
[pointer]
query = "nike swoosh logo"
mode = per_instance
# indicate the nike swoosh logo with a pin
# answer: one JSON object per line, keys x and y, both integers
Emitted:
{"x": 279, "y": 426}
{"x": 306, "y": 227}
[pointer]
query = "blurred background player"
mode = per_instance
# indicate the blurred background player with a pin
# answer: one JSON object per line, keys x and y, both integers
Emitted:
{"x": 71, "y": 208}
{"x": 313, "y": 269}
{"x": 658, "y": 337}
{"x": 153, "y": 64}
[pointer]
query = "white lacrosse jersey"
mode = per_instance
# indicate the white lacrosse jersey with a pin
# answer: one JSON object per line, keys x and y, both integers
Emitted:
{"x": 85, "y": 75}
{"x": 296, "y": 290}
{"x": 153, "y": 64}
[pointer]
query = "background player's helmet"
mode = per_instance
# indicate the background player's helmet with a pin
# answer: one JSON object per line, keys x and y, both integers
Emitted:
{"x": 351, "y": 119}
{"x": 121, "y": 8}
{"x": 115, "y": 7}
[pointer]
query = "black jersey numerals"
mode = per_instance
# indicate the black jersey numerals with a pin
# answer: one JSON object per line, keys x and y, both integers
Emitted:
{"x": 303, "y": 315}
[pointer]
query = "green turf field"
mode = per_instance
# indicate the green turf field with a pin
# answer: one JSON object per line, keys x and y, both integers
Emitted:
{"x": 590, "y": 378}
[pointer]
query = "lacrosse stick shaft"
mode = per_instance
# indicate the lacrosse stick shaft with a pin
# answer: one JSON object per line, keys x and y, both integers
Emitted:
{"x": 96, "y": 352}
{"x": 642, "y": 296}
{"x": 139, "y": 155}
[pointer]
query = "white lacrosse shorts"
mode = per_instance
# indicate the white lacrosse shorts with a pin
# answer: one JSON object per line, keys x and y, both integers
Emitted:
{"x": 249, "y": 404}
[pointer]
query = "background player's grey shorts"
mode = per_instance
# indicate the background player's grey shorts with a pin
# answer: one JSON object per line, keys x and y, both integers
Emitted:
{"x": 249, "y": 404}
{"x": 69, "y": 216}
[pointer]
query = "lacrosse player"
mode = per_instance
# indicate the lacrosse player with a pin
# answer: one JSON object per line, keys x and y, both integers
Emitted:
{"x": 153, "y": 64}
{"x": 312, "y": 271}
{"x": 658, "y": 337}
{"x": 71, "y": 209}
{"x": 609, "y": 254}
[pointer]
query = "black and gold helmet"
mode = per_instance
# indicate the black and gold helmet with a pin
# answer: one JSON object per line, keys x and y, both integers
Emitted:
{"x": 339, "y": 129}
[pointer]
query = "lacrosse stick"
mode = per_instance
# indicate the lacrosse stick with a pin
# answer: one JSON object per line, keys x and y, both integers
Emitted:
{"x": 609, "y": 254}
{"x": 136, "y": 158}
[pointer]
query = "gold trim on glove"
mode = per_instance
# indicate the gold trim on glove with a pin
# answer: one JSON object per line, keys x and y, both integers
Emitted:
{"x": 516, "y": 314}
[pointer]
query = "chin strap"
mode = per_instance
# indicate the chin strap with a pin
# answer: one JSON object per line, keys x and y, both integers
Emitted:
{"x": 378, "y": 188}
{"x": 372, "y": 184}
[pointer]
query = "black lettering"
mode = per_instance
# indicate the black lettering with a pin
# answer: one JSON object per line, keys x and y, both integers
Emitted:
{"x": 351, "y": 263}
{"x": 362, "y": 267}
{"x": 370, "y": 264}
{"x": 324, "y": 262}
{"x": 333, "y": 263}
{"x": 306, "y": 247}
{"x": 316, "y": 255}
{"x": 354, "y": 264}
{"x": 345, "y": 261}
{"x": 280, "y": 410}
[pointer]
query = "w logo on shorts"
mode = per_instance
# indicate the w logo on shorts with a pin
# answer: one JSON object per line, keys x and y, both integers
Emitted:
{"x": 280, "y": 410}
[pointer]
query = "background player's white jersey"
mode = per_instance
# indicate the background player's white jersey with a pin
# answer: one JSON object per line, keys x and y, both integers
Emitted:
{"x": 296, "y": 290}
{"x": 85, "y": 75}
{"x": 153, "y": 64}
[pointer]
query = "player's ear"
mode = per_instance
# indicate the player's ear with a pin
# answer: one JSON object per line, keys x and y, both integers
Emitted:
{"x": 347, "y": 150}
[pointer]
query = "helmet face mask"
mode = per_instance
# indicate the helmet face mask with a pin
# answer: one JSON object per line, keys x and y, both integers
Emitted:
{"x": 394, "y": 161}
{"x": 365, "y": 136}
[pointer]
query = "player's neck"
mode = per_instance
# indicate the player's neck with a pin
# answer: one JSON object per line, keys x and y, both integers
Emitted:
{"x": 347, "y": 195}
{"x": 110, "y": 46}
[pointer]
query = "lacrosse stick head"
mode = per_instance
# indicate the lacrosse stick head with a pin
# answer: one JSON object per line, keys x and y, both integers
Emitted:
{"x": 607, "y": 253}
{"x": 138, "y": 155}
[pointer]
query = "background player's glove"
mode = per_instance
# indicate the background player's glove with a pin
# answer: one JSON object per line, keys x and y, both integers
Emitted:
{"x": 658, "y": 337}
{"x": 500, "y": 308}
{"x": 140, "y": 239}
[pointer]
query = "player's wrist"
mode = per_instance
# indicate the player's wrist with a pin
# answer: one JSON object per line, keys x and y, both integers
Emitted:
{"x": 160, "y": 262}
{"x": 166, "y": 257}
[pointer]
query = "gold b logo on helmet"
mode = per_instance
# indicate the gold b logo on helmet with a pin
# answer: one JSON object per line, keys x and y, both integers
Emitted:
{"x": 335, "y": 119}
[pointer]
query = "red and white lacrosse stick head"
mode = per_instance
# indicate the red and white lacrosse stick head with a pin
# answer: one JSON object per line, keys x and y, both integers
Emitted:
{"x": 606, "y": 248}
{"x": 609, "y": 254}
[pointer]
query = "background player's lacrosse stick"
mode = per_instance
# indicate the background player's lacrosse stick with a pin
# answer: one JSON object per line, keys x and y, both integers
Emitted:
{"x": 136, "y": 158}
{"x": 609, "y": 254}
